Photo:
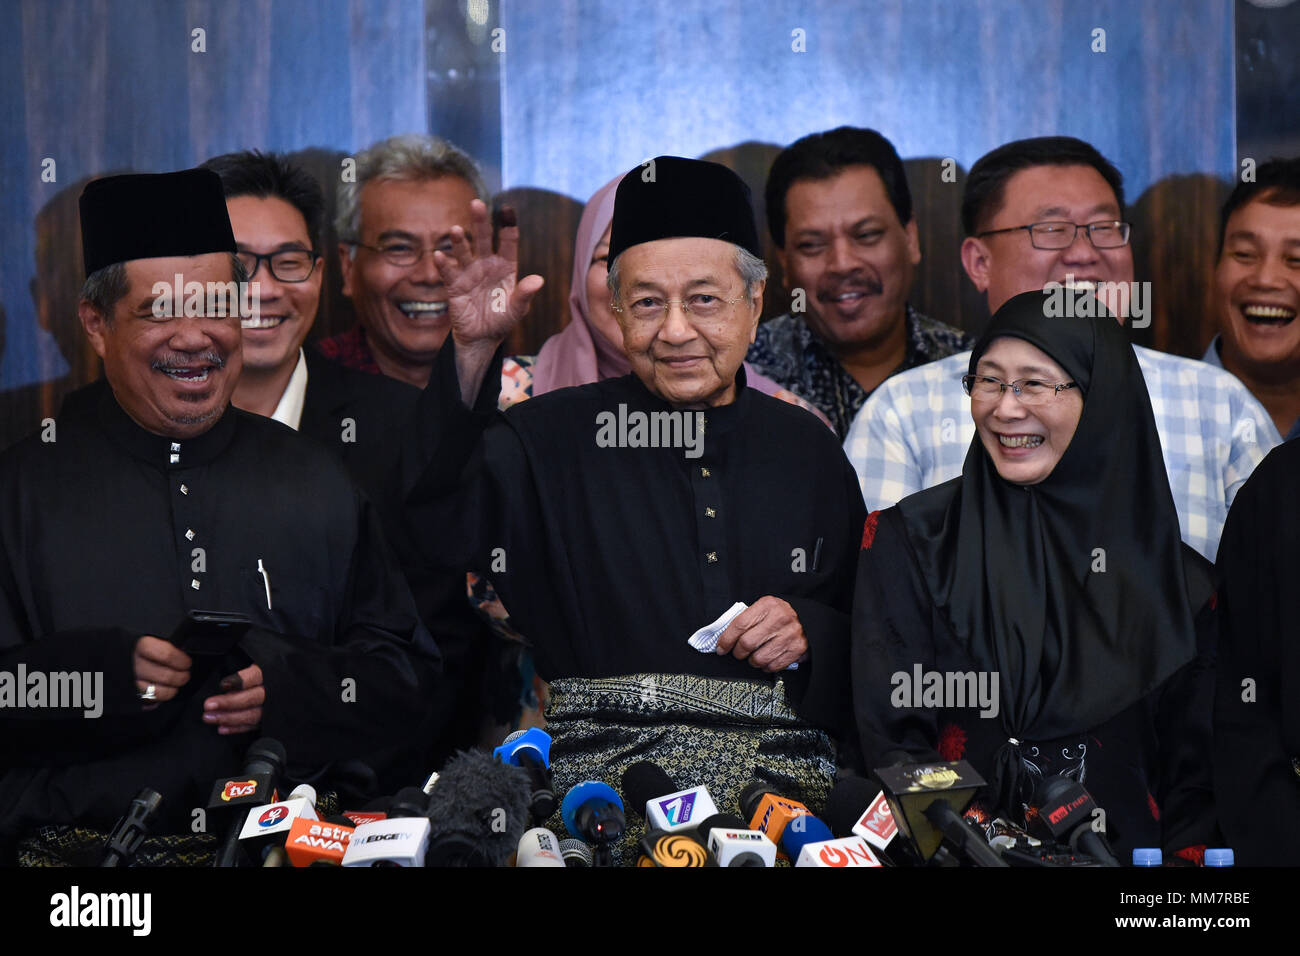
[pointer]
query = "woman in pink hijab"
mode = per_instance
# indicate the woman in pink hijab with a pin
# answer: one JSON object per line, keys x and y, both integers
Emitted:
{"x": 590, "y": 347}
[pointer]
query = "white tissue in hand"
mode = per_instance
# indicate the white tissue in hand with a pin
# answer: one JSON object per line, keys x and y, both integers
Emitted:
{"x": 705, "y": 640}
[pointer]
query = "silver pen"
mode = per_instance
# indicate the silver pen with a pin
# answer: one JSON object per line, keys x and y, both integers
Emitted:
{"x": 266, "y": 580}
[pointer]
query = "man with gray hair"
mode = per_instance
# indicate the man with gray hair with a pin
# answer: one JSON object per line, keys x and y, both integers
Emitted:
{"x": 410, "y": 192}
{"x": 678, "y": 547}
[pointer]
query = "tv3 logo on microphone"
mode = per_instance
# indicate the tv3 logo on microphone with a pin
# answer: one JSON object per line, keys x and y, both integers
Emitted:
{"x": 678, "y": 809}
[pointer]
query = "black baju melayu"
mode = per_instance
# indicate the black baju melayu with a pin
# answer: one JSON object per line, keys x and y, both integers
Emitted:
{"x": 1257, "y": 703}
{"x": 110, "y": 532}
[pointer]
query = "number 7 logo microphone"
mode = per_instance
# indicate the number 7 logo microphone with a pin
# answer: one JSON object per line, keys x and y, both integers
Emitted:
{"x": 666, "y": 807}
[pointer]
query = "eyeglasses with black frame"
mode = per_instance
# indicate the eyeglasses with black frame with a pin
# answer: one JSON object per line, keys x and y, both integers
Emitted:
{"x": 1103, "y": 234}
{"x": 702, "y": 305}
{"x": 286, "y": 265}
{"x": 1028, "y": 391}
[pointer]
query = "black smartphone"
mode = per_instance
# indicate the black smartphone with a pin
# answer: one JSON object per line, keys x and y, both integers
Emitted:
{"x": 210, "y": 633}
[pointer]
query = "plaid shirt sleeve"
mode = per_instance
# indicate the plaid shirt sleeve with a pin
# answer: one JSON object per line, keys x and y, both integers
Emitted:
{"x": 912, "y": 433}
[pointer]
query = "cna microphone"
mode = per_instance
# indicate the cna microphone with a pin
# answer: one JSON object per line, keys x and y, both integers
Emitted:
{"x": 593, "y": 812}
{"x": 267, "y": 827}
{"x": 125, "y": 839}
{"x": 577, "y": 854}
{"x": 733, "y": 844}
{"x": 667, "y": 808}
{"x": 255, "y": 784}
{"x": 539, "y": 847}
{"x": 531, "y": 750}
{"x": 318, "y": 842}
{"x": 478, "y": 810}
{"x": 1068, "y": 812}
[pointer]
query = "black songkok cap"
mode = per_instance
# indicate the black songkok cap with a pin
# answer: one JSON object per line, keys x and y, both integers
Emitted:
{"x": 152, "y": 216}
{"x": 672, "y": 198}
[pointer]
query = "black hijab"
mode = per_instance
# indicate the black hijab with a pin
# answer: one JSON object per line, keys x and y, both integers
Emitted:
{"x": 1012, "y": 566}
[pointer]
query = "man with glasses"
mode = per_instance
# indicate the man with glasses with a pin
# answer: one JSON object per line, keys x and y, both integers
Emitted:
{"x": 276, "y": 208}
{"x": 1039, "y": 211}
{"x": 672, "y": 541}
{"x": 410, "y": 192}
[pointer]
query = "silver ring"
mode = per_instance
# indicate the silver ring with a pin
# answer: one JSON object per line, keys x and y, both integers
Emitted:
{"x": 149, "y": 693}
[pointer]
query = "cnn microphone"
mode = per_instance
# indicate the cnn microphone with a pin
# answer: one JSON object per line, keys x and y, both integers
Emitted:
{"x": 733, "y": 844}
{"x": 531, "y": 750}
{"x": 539, "y": 847}
{"x": 1068, "y": 812}
{"x": 593, "y": 812}
{"x": 131, "y": 831}
{"x": 666, "y": 807}
{"x": 255, "y": 784}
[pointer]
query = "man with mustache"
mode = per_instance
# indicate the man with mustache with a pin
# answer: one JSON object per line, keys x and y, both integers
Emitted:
{"x": 153, "y": 500}
{"x": 1043, "y": 210}
{"x": 1257, "y": 288}
{"x": 840, "y": 213}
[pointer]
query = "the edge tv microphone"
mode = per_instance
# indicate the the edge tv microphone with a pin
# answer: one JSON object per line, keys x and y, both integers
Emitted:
{"x": 1067, "y": 811}
{"x": 131, "y": 831}
{"x": 927, "y": 799}
{"x": 593, "y": 812}
{"x": 531, "y": 750}
{"x": 646, "y": 785}
{"x": 396, "y": 841}
{"x": 255, "y": 784}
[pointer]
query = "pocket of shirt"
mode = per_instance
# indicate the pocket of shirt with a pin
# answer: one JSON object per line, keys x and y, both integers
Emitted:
{"x": 298, "y": 606}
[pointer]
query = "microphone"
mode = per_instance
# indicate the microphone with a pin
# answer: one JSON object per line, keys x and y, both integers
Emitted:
{"x": 732, "y": 844}
{"x": 318, "y": 842}
{"x": 1067, "y": 811}
{"x": 396, "y": 841}
{"x": 479, "y": 811}
{"x": 857, "y": 806}
{"x": 926, "y": 800}
{"x": 576, "y": 853}
{"x": 539, "y": 847}
{"x": 666, "y": 807}
{"x": 267, "y": 827}
{"x": 593, "y": 812}
{"x": 255, "y": 784}
{"x": 125, "y": 839}
{"x": 842, "y": 852}
{"x": 663, "y": 849}
{"x": 776, "y": 817}
{"x": 531, "y": 750}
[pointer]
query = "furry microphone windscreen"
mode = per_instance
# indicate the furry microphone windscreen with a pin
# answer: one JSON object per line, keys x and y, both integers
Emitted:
{"x": 478, "y": 810}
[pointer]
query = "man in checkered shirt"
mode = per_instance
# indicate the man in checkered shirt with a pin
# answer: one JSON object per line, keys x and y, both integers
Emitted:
{"x": 1022, "y": 203}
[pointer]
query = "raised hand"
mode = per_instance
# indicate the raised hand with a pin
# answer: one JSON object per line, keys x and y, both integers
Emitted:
{"x": 485, "y": 298}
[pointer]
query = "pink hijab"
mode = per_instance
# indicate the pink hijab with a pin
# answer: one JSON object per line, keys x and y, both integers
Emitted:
{"x": 579, "y": 354}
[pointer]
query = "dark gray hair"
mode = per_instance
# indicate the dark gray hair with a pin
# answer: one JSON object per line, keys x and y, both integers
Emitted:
{"x": 104, "y": 288}
{"x": 410, "y": 157}
{"x": 752, "y": 269}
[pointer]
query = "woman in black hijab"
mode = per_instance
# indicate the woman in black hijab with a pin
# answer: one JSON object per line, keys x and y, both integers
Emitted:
{"x": 1055, "y": 564}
